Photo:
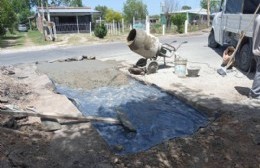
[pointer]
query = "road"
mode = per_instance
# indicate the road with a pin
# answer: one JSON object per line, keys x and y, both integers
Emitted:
{"x": 195, "y": 50}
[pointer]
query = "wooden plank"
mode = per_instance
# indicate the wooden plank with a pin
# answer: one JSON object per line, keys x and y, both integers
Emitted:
{"x": 82, "y": 119}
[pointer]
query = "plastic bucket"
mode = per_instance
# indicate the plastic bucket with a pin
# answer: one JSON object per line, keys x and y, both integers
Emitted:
{"x": 180, "y": 67}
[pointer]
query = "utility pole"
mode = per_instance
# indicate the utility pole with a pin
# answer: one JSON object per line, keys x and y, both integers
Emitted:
{"x": 208, "y": 13}
{"x": 48, "y": 12}
{"x": 42, "y": 20}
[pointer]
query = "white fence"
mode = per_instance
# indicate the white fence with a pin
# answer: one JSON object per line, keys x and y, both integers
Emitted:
{"x": 115, "y": 28}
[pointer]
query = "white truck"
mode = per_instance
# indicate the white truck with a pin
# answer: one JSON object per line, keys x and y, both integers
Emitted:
{"x": 235, "y": 16}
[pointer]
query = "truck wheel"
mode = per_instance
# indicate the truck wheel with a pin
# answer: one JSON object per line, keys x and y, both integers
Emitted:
{"x": 211, "y": 40}
{"x": 245, "y": 57}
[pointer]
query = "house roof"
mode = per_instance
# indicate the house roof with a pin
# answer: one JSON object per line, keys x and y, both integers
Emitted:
{"x": 68, "y": 10}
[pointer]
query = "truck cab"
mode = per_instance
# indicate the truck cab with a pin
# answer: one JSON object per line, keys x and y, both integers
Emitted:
{"x": 235, "y": 17}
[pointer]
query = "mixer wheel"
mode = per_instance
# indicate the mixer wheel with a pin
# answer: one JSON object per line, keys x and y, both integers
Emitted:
{"x": 151, "y": 67}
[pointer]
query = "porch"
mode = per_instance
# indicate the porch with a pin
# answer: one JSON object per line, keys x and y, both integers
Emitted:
{"x": 69, "y": 20}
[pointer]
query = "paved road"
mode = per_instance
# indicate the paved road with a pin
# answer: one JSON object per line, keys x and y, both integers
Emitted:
{"x": 195, "y": 49}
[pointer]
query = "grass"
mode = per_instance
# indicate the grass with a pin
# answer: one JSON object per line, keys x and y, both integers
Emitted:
{"x": 20, "y": 39}
{"x": 36, "y": 37}
{"x": 193, "y": 28}
{"x": 12, "y": 40}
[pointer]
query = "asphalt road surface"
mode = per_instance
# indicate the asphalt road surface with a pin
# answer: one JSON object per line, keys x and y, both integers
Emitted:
{"x": 196, "y": 50}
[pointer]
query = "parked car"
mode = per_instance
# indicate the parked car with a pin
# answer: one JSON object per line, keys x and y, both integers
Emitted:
{"x": 22, "y": 28}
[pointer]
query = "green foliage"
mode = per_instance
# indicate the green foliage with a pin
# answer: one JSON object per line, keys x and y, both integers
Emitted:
{"x": 7, "y": 16}
{"x": 20, "y": 5}
{"x": 185, "y": 7}
{"x": 100, "y": 31}
{"x": 2, "y": 31}
{"x": 179, "y": 20}
{"x": 102, "y": 9}
{"x": 23, "y": 16}
{"x": 36, "y": 37}
{"x": 214, "y": 5}
{"x": 204, "y": 4}
{"x": 22, "y": 10}
{"x": 113, "y": 15}
{"x": 134, "y": 8}
{"x": 72, "y": 3}
{"x": 35, "y": 3}
{"x": 156, "y": 28}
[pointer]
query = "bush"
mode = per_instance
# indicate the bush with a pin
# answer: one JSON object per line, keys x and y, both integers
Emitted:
{"x": 2, "y": 31}
{"x": 179, "y": 20}
{"x": 100, "y": 31}
{"x": 156, "y": 28}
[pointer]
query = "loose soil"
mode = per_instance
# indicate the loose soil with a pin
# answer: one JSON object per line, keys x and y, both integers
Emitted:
{"x": 232, "y": 138}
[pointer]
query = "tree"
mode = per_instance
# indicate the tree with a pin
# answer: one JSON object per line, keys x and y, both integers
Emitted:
{"x": 113, "y": 15}
{"x": 134, "y": 8}
{"x": 56, "y": 2}
{"x": 102, "y": 10}
{"x": 185, "y": 7}
{"x": 179, "y": 20}
{"x": 211, "y": 6}
{"x": 35, "y": 3}
{"x": 169, "y": 7}
{"x": 214, "y": 5}
{"x": 74, "y": 3}
{"x": 7, "y": 16}
{"x": 22, "y": 8}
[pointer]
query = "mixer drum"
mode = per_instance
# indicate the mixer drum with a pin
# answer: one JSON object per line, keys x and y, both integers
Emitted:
{"x": 143, "y": 44}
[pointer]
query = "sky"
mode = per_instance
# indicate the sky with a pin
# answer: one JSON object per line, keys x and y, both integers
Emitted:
{"x": 153, "y": 6}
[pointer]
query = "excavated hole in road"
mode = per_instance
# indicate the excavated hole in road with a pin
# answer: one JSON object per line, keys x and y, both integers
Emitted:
{"x": 156, "y": 115}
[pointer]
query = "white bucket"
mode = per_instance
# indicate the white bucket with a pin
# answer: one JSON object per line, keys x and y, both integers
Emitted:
{"x": 180, "y": 67}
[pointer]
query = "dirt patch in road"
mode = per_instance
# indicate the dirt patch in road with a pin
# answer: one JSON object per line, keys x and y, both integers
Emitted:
{"x": 231, "y": 140}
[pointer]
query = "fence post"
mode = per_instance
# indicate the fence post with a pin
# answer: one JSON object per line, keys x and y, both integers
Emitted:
{"x": 163, "y": 29}
{"x": 77, "y": 23}
{"x": 113, "y": 27}
{"x": 118, "y": 25}
{"x": 54, "y": 31}
{"x": 147, "y": 24}
{"x": 117, "y": 29}
{"x": 186, "y": 27}
{"x": 90, "y": 31}
{"x": 123, "y": 26}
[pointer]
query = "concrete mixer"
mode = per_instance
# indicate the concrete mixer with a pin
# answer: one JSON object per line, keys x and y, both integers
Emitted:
{"x": 149, "y": 47}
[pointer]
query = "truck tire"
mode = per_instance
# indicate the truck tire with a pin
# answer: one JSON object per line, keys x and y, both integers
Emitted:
{"x": 245, "y": 57}
{"x": 211, "y": 40}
